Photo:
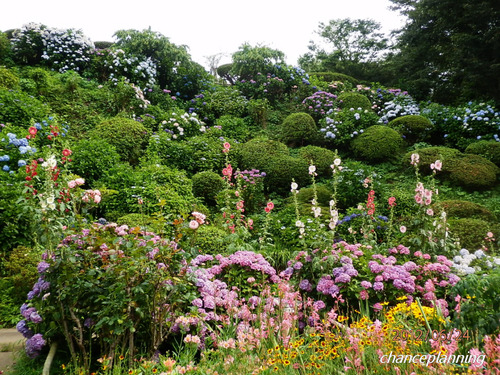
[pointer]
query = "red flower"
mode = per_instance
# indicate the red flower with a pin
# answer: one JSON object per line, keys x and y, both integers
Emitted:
{"x": 32, "y": 130}
{"x": 67, "y": 152}
{"x": 270, "y": 205}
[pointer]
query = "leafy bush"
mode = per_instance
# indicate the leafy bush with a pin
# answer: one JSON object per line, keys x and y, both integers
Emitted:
{"x": 342, "y": 126}
{"x": 93, "y": 158}
{"x": 487, "y": 149}
{"x": 464, "y": 209}
{"x": 258, "y": 152}
{"x": 429, "y": 155}
{"x": 5, "y": 48}
{"x": 298, "y": 129}
{"x": 180, "y": 124}
{"x": 472, "y": 232}
{"x": 281, "y": 170}
{"x": 210, "y": 240}
{"x": 21, "y": 268}
{"x": 207, "y": 185}
{"x": 351, "y": 183}
{"x": 320, "y": 104}
{"x": 128, "y": 137}
{"x": 219, "y": 101}
{"x": 377, "y": 143}
{"x": 472, "y": 172}
{"x": 136, "y": 220}
{"x": 401, "y": 105}
{"x": 354, "y": 100}
{"x": 8, "y": 79}
{"x": 414, "y": 128}
{"x": 321, "y": 157}
{"x": 233, "y": 128}
{"x": 21, "y": 109}
{"x": 333, "y": 77}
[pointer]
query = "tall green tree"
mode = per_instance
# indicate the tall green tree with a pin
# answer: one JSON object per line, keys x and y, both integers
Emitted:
{"x": 449, "y": 50}
{"x": 250, "y": 60}
{"x": 347, "y": 46}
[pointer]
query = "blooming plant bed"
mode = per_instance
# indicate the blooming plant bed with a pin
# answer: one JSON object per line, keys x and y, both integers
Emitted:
{"x": 184, "y": 246}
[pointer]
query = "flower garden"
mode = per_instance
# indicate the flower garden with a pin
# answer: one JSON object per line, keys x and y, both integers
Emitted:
{"x": 156, "y": 219}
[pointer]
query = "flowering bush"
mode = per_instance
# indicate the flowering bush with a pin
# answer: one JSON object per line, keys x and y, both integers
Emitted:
{"x": 401, "y": 105}
{"x": 182, "y": 125}
{"x": 320, "y": 104}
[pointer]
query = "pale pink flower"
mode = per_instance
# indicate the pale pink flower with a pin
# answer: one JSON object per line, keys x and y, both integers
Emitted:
{"x": 312, "y": 170}
{"x": 79, "y": 181}
{"x": 415, "y": 158}
{"x": 193, "y": 224}
{"x": 430, "y": 212}
{"x": 71, "y": 184}
{"x": 402, "y": 229}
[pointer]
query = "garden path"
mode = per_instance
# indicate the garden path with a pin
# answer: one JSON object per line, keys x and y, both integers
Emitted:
{"x": 10, "y": 341}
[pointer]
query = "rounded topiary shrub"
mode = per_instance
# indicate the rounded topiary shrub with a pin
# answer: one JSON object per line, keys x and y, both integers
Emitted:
{"x": 210, "y": 239}
{"x": 472, "y": 172}
{"x": 487, "y": 149}
{"x": 136, "y": 220}
{"x": 472, "y": 232}
{"x": 128, "y": 136}
{"x": 378, "y": 143}
{"x": 207, "y": 185}
{"x": 321, "y": 157}
{"x": 323, "y": 193}
{"x": 280, "y": 172}
{"x": 258, "y": 152}
{"x": 429, "y": 155}
{"x": 354, "y": 100}
{"x": 298, "y": 129}
{"x": 93, "y": 158}
{"x": 413, "y": 128}
{"x": 335, "y": 77}
{"x": 464, "y": 209}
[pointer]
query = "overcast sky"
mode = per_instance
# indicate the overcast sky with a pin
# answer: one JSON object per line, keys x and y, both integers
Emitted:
{"x": 207, "y": 27}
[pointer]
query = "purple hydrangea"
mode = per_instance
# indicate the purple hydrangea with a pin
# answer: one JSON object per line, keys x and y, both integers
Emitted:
{"x": 42, "y": 267}
{"x": 34, "y": 345}
{"x": 343, "y": 278}
{"x": 23, "y": 329}
{"x": 366, "y": 284}
{"x": 305, "y": 285}
{"x": 318, "y": 305}
{"x": 378, "y": 286}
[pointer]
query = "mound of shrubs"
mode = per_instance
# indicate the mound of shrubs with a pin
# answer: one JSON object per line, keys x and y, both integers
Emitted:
{"x": 464, "y": 209}
{"x": 258, "y": 152}
{"x": 413, "y": 128}
{"x": 487, "y": 149}
{"x": 298, "y": 129}
{"x": 354, "y": 100}
{"x": 472, "y": 172}
{"x": 321, "y": 157}
{"x": 429, "y": 155}
{"x": 207, "y": 185}
{"x": 378, "y": 143}
{"x": 472, "y": 232}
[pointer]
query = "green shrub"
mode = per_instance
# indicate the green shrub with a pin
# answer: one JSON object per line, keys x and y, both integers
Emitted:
{"x": 429, "y": 155}
{"x": 5, "y": 47}
{"x": 471, "y": 232}
{"x": 354, "y": 100}
{"x": 487, "y": 149}
{"x": 464, "y": 209}
{"x": 298, "y": 129}
{"x": 414, "y": 128}
{"x": 21, "y": 268}
{"x": 102, "y": 44}
{"x": 472, "y": 172}
{"x": 136, "y": 220}
{"x": 323, "y": 192}
{"x": 233, "y": 128}
{"x": 334, "y": 77}
{"x": 93, "y": 158}
{"x": 220, "y": 101}
{"x": 128, "y": 136}
{"x": 258, "y": 152}
{"x": 21, "y": 109}
{"x": 210, "y": 240}
{"x": 8, "y": 79}
{"x": 321, "y": 157}
{"x": 377, "y": 143}
{"x": 281, "y": 170}
{"x": 207, "y": 185}
{"x": 350, "y": 190}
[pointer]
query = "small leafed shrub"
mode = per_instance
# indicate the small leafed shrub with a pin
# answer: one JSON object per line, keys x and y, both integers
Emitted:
{"x": 429, "y": 155}
{"x": 282, "y": 169}
{"x": 210, "y": 239}
{"x": 472, "y": 172}
{"x": 21, "y": 109}
{"x": 207, "y": 185}
{"x": 487, "y": 149}
{"x": 321, "y": 157}
{"x": 472, "y": 232}
{"x": 8, "y": 80}
{"x": 258, "y": 152}
{"x": 377, "y": 143}
{"x": 93, "y": 158}
{"x": 233, "y": 128}
{"x": 354, "y": 100}
{"x": 128, "y": 136}
{"x": 413, "y": 128}
{"x": 298, "y": 129}
{"x": 464, "y": 209}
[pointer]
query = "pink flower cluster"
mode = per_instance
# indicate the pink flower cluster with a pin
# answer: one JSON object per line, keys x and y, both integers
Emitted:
{"x": 92, "y": 195}
{"x": 423, "y": 196}
{"x": 76, "y": 182}
{"x": 199, "y": 219}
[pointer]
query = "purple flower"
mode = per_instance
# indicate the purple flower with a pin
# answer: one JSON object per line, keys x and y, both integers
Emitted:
{"x": 343, "y": 278}
{"x": 366, "y": 284}
{"x": 42, "y": 267}
{"x": 305, "y": 285}
{"x": 34, "y": 345}
{"x": 23, "y": 329}
{"x": 197, "y": 302}
{"x": 88, "y": 322}
{"x": 378, "y": 286}
{"x": 298, "y": 265}
{"x": 35, "y": 317}
{"x": 318, "y": 305}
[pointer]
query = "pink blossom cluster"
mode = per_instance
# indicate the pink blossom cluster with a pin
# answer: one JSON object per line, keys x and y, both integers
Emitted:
{"x": 423, "y": 196}
{"x": 76, "y": 182}
{"x": 92, "y": 195}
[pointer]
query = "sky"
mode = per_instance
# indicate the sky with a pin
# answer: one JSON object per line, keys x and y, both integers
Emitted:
{"x": 207, "y": 27}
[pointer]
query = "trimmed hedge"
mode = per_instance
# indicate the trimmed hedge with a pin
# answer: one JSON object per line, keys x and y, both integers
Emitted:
{"x": 298, "y": 129}
{"x": 464, "y": 209}
{"x": 471, "y": 232}
{"x": 413, "y": 128}
{"x": 487, "y": 149}
{"x": 322, "y": 158}
{"x": 207, "y": 185}
{"x": 378, "y": 143}
{"x": 354, "y": 100}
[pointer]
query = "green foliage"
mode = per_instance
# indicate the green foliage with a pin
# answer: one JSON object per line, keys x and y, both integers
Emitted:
{"x": 5, "y": 48}
{"x": 351, "y": 180}
{"x": 429, "y": 155}
{"x": 219, "y": 101}
{"x": 414, "y": 128}
{"x": 472, "y": 232}
{"x": 321, "y": 157}
{"x": 472, "y": 172}
{"x": 281, "y": 170}
{"x": 249, "y": 60}
{"x": 199, "y": 153}
{"x": 93, "y": 158}
{"x": 354, "y": 100}
{"x": 210, "y": 240}
{"x": 480, "y": 303}
{"x": 8, "y": 79}
{"x": 334, "y": 77}
{"x": 233, "y": 128}
{"x": 207, "y": 185}
{"x": 487, "y": 149}
{"x": 465, "y": 210}
{"x": 377, "y": 143}
{"x": 128, "y": 137}
{"x": 298, "y": 129}
{"x": 21, "y": 109}
{"x": 21, "y": 269}
{"x": 136, "y": 220}
{"x": 257, "y": 153}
